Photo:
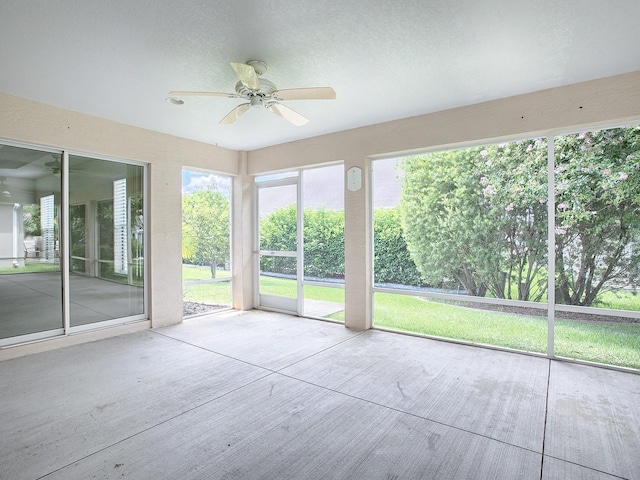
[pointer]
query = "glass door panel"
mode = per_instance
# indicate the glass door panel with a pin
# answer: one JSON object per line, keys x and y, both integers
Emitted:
{"x": 30, "y": 275}
{"x": 323, "y": 226}
{"x": 278, "y": 244}
{"x": 106, "y": 220}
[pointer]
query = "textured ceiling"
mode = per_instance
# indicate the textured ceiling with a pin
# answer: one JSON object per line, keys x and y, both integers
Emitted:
{"x": 118, "y": 59}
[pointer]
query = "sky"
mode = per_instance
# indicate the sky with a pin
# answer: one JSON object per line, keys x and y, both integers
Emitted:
{"x": 322, "y": 187}
{"x": 193, "y": 180}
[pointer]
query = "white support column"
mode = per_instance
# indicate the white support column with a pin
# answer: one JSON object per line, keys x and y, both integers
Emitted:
{"x": 18, "y": 236}
{"x": 358, "y": 247}
{"x": 65, "y": 235}
{"x": 300, "y": 242}
{"x": 551, "y": 247}
{"x": 242, "y": 257}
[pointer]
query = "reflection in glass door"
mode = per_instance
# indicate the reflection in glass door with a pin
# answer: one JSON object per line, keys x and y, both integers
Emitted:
{"x": 96, "y": 224}
{"x": 278, "y": 286}
{"x": 30, "y": 275}
{"x": 106, "y": 223}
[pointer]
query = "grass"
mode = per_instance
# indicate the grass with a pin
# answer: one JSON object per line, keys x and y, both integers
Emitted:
{"x": 619, "y": 300}
{"x": 201, "y": 273}
{"x": 278, "y": 286}
{"x": 31, "y": 268}
{"x": 327, "y": 294}
{"x": 418, "y": 315}
{"x": 215, "y": 293}
{"x": 609, "y": 343}
{"x": 613, "y": 344}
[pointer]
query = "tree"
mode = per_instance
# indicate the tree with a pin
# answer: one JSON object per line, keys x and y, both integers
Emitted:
{"x": 279, "y": 232}
{"x": 515, "y": 192}
{"x": 478, "y": 216}
{"x": 597, "y": 213}
{"x": 323, "y": 243}
{"x": 31, "y": 220}
{"x": 205, "y": 227}
{"x": 392, "y": 261}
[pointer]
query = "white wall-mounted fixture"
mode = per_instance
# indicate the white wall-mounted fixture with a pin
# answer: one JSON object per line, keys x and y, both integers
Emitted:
{"x": 354, "y": 179}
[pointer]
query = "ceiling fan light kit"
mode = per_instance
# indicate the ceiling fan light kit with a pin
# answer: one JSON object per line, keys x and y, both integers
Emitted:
{"x": 260, "y": 92}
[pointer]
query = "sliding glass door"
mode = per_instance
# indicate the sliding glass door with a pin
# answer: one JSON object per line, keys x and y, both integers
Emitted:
{"x": 70, "y": 258}
{"x": 106, "y": 218}
{"x": 30, "y": 274}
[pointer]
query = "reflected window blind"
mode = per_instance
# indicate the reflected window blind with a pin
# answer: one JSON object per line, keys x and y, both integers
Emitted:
{"x": 120, "y": 226}
{"x": 47, "y": 226}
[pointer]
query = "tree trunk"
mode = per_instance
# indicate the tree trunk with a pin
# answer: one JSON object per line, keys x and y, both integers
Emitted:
{"x": 213, "y": 267}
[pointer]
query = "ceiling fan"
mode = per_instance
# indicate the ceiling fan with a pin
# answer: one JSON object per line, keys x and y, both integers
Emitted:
{"x": 260, "y": 92}
{"x": 4, "y": 189}
{"x": 54, "y": 165}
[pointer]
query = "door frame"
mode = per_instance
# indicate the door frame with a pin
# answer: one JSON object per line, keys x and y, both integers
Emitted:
{"x": 269, "y": 301}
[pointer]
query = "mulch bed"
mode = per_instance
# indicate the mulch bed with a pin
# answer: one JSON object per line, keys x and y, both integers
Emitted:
{"x": 192, "y": 308}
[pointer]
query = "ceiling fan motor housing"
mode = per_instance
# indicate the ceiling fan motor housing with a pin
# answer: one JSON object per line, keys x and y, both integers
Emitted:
{"x": 266, "y": 89}
{"x": 257, "y": 97}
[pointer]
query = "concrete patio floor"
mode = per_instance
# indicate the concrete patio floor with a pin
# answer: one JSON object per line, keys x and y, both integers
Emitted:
{"x": 32, "y": 302}
{"x": 258, "y": 395}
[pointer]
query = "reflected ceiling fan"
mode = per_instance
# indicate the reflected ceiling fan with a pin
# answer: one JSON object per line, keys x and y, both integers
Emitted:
{"x": 260, "y": 92}
{"x": 4, "y": 189}
{"x": 54, "y": 165}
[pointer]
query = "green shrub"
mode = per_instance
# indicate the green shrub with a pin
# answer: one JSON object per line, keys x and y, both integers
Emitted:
{"x": 324, "y": 245}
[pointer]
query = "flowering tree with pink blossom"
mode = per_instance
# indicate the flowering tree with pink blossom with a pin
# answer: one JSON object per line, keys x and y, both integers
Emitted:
{"x": 597, "y": 178}
{"x": 478, "y": 216}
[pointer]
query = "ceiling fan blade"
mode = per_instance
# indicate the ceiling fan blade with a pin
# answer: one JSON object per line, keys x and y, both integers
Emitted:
{"x": 183, "y": 93}
{"x": 235, "y": 114}
{"x": 247, "y": 75}
{"x": 313, "y": 93}
{"x": 288, "y": 114}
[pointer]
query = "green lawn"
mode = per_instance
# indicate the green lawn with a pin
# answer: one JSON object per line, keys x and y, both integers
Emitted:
{"x": 619, "y": 300}
{"x": 614, "y": 344}
{"x": 216, "y": 293}
{"x": 278, "y": 286}
{"x": 418, "y": 315}
{"x": 327, "y": 294}
{"x": 201, "y": 273}
{"x": 610, "y": 343}
{"x": 32, "y": 268}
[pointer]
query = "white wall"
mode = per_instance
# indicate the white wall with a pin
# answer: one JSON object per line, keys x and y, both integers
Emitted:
{"x": 6, "y": 235}
{"x": 36, "y": 123}
{"x": 608, "y": 101}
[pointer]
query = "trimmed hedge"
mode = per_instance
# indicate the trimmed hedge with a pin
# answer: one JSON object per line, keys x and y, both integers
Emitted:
{"x": 324, "y": 245}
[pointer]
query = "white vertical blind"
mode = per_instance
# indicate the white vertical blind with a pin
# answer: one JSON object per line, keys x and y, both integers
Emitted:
{"x": 47, "y": 226}
{"x": 120, "y": 251}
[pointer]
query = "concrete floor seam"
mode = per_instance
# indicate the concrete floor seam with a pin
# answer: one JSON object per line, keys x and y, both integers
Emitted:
{"x": 189, "y": 410}
{"x": 213, "y": 351}
{"x": 321, "y": 351}
{"x": 279, "y": 372}
{"x": 609, "y": 474}
{"x": 546, "y": 415}
{"x": 409, "y": 414}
